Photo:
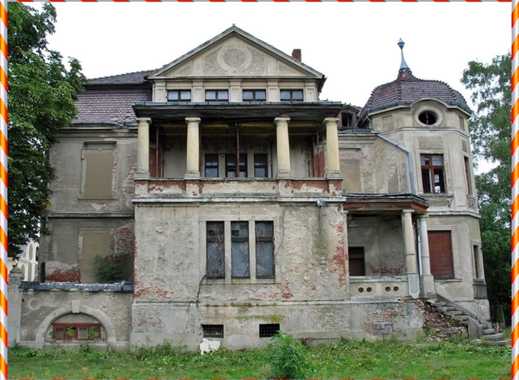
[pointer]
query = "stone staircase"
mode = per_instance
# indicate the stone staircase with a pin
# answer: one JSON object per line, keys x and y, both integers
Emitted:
{"x": 481, "y": 331}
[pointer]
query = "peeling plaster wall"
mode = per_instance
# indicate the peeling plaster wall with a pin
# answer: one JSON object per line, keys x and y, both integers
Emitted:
{"x": 382, "y": 240}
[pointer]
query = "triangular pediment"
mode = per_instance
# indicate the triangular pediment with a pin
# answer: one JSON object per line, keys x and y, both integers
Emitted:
{"x": 236, "y": 53}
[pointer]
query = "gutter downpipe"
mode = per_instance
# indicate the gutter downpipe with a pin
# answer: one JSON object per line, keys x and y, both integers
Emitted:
{"x": 411, "y": 181}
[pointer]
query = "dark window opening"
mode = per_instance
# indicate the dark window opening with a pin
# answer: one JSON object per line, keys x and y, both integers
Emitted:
{"x": 291, "y": 95}
{"x": 347, "y": 120}
{"x": 240, "y": 250}
{"x": 76, "y": 331}
{"x": 179, "y": 95}
{"x": 428, "y": 117}
{"x": 217, "y": 95}
{"x": 468, "y": 176}
{"x": 211, "y": 165}
{"x": 230, "y": 165}
{"x": 357, "y": 262}
{"x": 212, "y": 331}
{"x": 475, "y": 251}
{"x": 433, "y": 173}
{"x": 215, "y": 250}
{"x": 254, "y": 95}
{"x": 264, "y": 250}
{"x": 268, "y": 330}
{"x": 260, "y": 165}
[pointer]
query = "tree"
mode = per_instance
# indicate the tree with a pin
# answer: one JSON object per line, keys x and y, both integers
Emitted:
{"x": 490, "y": 134}
{"x": 41, "y": 101}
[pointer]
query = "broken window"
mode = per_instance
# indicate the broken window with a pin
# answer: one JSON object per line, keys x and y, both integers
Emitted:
{"x": 468, "y": 176}
{"x": 217, "y": 95}
{"x": 211, "y": 165}
{"x": 433, "y": 176}
{"x": 288, "y": 95}
{"x": 215, "y": 250}
{"x": 96, "y": 174}
{"x": 240, "y": 249}
{"x": 356, "y": 261}
{"x": 264, "y": 250}
{"x": 260, "y": 165}
{"x": 230, "y": 165}
{"x": 212, "y": 331}
{"x": 179, "y": 95}
{"x": 268, "y": 330}
{"x": 254, "y": 95}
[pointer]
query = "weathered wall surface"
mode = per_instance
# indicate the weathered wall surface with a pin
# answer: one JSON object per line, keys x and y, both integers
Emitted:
{"x": 39, "y": 309}
{"x": 382, "y": 240}
{"x": 371, "y": 165}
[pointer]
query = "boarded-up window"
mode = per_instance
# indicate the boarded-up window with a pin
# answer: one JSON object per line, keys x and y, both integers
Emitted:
{"x": 264, "y": 250}
{"x": 440, "y": 247}
{"x": 95, "y": 244}
{"x": 97, "y": 166}
{"x": 356, "y": 261}
{"x": 215, "y": 250}
{"x": 240, "y": 249}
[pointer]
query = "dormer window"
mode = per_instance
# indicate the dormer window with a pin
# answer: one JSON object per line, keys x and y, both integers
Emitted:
{"x": 428, "y": 117}
{"x": 179, "y": 95}
{"x": 217, "y": 95}
{"x": 291, "y": 95}
{"x": 254, "y": 95}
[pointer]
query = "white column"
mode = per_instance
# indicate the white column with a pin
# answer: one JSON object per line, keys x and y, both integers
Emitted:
{"x": 143, "y": 146}
{"x": 427, "y": 278}
{"x": 192, "y": 148}
{"x": 282, "y": 146}
{"x": 333, "y": 168}
{"x": 410, "y": 253}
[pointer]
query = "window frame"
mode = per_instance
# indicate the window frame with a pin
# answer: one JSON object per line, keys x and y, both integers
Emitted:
{"x": 243, "y": 163}
{"x": 217, "y": 92}
{"x": 292, "y": 91}
{"x": 207, "y": 242}
{"x": 243, "y": 240}
{"x": 255, "y": 92}
{"x": 257, "y": 166}
{"x": 58, "y": 326}
{"x": 96, "y": 146}
{"x": 265, "y": 239}
{"x": 179, "y": 95}
{"x": 351, "y": 253}
{"x": 206, "y": 168}
{"x": 430, "y": 171}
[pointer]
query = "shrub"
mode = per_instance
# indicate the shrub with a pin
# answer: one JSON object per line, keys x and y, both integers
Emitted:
{"x": 288, "y": 358}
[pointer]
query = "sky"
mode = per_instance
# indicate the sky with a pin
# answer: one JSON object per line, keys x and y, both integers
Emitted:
{"x": 354, "y": 45}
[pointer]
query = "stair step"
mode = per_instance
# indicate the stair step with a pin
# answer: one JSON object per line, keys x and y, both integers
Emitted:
{"x": 493, "y": 337}
{"x": 455, "y": 312}
{"x": 489, "y": 331}
{"x": 461, "y": 318}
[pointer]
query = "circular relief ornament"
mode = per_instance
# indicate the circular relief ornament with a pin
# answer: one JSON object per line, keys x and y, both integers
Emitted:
{"x": 233, "y": 58}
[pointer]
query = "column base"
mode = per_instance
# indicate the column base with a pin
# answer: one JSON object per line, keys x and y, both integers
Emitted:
{"x": 192, "y": 175}
{"x": 333, "y": 174}
{"x": 142, "y": 175}
{"x": 413, "y": 283}
{"x": 428, "y": 285}
{"x": 284, "y": 174}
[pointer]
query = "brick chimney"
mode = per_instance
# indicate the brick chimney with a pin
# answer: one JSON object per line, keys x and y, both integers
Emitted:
{"x": 296, "y": 54}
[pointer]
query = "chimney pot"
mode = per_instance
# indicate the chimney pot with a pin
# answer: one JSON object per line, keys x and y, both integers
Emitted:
{"x": 296, "y": 54}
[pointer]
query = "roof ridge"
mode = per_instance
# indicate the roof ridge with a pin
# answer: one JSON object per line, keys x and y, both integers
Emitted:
{"x": 118, "y": 75}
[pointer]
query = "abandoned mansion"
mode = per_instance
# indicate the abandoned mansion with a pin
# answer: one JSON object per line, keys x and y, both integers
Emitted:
{"x": 218, "y": 197}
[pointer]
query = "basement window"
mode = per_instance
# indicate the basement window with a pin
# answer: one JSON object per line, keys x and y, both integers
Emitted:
{"x": 76, "y": 331}
{"x": 268, "y": 330}
{"x": 212, "y": 331}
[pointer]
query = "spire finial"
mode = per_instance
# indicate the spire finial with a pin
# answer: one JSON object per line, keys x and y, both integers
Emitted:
{"x": 403, "y": 63}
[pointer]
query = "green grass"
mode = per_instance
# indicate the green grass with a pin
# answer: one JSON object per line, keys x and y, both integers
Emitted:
{"x": 344, "y": 360}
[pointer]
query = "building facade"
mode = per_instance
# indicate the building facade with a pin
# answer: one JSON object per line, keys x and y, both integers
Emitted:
{"x": 219, "y": 197}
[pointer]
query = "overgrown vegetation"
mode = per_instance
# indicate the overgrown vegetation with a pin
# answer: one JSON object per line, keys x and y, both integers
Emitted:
{"x": 457, "y": 360}
{"x": 113, "y": 268}
{"x": 288, "y": 358}
{"x": 490, "y": 135}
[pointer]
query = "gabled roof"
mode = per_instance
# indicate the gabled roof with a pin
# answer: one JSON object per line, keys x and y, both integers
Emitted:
{"x": 234, "y": 30}
{"x": 134, "y": 78}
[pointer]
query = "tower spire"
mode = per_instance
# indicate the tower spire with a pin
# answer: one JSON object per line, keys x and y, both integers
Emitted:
{"x": 404, "y": 72}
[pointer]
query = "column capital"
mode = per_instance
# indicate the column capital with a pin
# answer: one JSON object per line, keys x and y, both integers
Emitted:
{"x": 281, "y": 119}
{"x": 143, "y": 120}
{"x": 407, "y": 211}
{"x": 193, "y": 119}
{"x": 423, "y": 216}
{"x": 331, "y": 120}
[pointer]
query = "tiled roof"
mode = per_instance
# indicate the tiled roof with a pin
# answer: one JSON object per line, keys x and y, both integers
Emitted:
{"x": 109, "y": 105}
{"x": 137, "y": 77}
{"x": 407, "y": 89}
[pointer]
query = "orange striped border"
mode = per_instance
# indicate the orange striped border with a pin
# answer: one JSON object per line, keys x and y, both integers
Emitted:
{"x": 515, "y": 188}
{"x": 4, "y": 120}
